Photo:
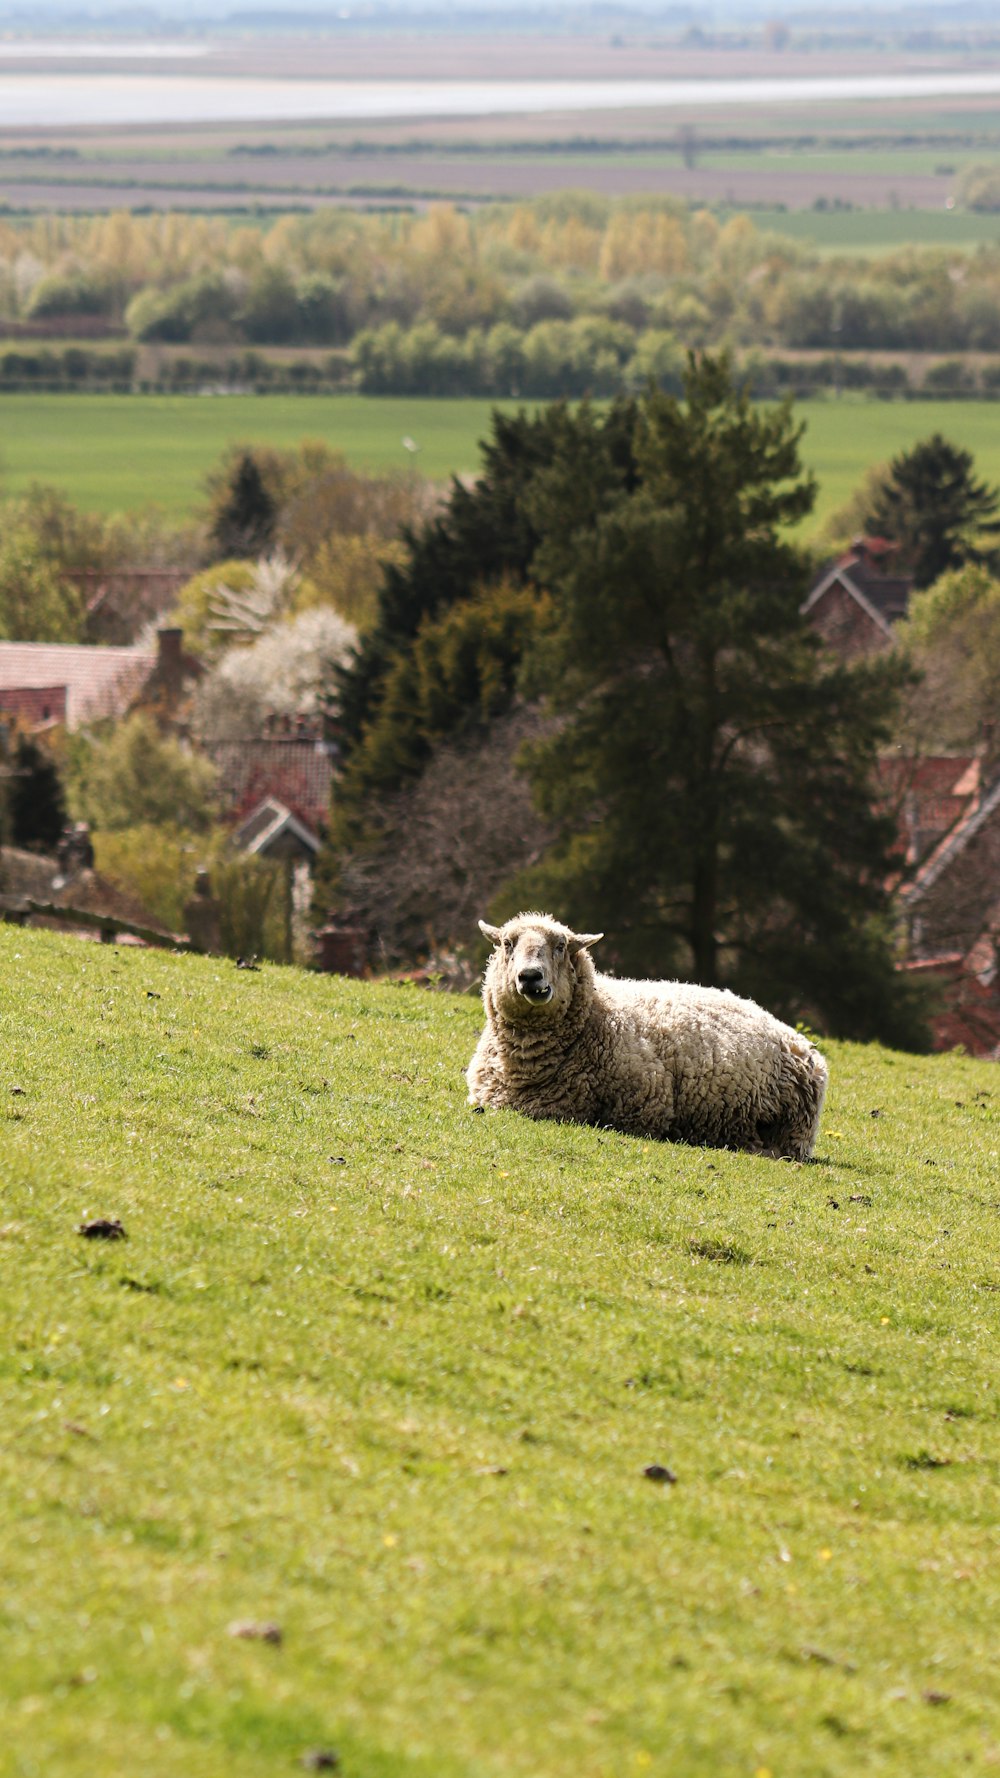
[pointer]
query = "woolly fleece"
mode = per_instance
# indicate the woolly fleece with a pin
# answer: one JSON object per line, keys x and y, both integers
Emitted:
{"x": 660, "y": 1059}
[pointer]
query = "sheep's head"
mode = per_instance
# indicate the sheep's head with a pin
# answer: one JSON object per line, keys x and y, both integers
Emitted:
{"x": 536, "y": 966}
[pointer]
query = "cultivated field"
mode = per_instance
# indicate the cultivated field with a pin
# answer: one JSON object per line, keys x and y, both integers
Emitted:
{"x": 342, "y": 1450}
{"x": 114, "y": 452}
{"x": 870, "y": 153}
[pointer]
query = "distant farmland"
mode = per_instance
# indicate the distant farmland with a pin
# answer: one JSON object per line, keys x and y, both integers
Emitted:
{"x": 888, "y": 154}
{"x": 118, "y": 452}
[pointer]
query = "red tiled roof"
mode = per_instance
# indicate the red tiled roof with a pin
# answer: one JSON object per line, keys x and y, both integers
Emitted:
{"x": 936, "y": 774}
{"x": 296, "y": 772}
{"x": 99, "y": 682}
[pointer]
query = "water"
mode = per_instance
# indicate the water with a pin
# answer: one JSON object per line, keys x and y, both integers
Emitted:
{"x": 62, "y": 100}
{"x": 26, "y": 49}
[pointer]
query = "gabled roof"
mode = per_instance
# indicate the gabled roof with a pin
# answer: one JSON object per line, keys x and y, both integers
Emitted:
{"x": 99, "y": 682}
{"x": 884, "y": 598}
{"x": 952, "y": 845}
{"x": 267, "y": 823}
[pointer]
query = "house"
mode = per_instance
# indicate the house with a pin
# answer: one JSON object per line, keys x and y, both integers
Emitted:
{"x": 927, "y": 796}
{"x": 292, "y": 764}
{"x": 40, "y": 891}
{"x": 948, "y": 905}
{"x": 120, "y": 603}
{"x": 76, "y": 683}
{"x": 969, "y": 984}
{"x": 857, "y": 600}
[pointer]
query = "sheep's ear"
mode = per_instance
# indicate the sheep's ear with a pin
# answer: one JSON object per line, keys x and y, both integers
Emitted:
{"x": 582, "y": 941}
{"x": 490, "y": 932}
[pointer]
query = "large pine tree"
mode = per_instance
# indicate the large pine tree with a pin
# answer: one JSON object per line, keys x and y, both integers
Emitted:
{"x": 711, "y": 777}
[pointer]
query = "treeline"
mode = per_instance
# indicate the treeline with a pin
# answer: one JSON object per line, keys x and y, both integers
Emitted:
{"x": 80, "y": 367}
{"x": 335, "y": 276}
{"x": 589, "y": 356}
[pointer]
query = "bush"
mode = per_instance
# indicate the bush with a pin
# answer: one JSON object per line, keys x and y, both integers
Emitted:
{"x": 159, "y": 863}
{"x": 950, "y": 377}
{"x": 202, "y": 307}
{"x": 255, "y": 907}
{"x": 72, "y": 366}
{"x": 979, "y": 188}
{"x": 70, "y": 293}
{"x": 135, "y": 775}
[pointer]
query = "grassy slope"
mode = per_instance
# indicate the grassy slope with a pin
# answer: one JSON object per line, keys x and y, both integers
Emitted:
{"x": 114, "y": 452}
{"x": 388, "y": 1373}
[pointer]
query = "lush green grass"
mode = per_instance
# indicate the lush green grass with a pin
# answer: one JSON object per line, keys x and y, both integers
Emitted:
{"x": 387, "y": 1374}
{"x": 112, "y": 452}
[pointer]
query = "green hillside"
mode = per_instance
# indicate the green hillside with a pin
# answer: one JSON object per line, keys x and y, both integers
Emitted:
{"x": 385, "y": 1375}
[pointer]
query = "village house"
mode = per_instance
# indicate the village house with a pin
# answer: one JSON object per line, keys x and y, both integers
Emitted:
{"x": 926, "y": 797}
{"x": 951, "y": 912}
{"x": 290, "y": 764}
{"x": 78, "y": 683}
{"x": 856, "y": 601}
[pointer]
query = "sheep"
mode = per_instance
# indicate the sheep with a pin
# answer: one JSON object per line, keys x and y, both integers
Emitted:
{"x": 668, "y": 1060}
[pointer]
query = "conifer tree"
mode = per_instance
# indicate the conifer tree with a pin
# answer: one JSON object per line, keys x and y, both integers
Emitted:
{"x": 485, "y": 535}
{"x": 933, "y": 505}
{"x": 243, "y": 523}
{"x": 711, "y": 777}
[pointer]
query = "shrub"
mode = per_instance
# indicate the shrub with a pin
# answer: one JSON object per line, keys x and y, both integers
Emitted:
{"x": 135, "y": 775}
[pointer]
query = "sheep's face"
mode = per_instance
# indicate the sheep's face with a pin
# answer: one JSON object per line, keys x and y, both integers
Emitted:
{"x": 533, "y": 970}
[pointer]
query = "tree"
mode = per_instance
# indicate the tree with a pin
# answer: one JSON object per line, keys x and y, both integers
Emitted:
{"x": 137, "y": 775}
{"x": 285, "y": 671}
{"x": 710, "y": 778}
{"x": 245, "y": 509}
{"x": 952, "y": 636}
{"x": 484, "y": 535}
{"x": 932, "y": 504}
{"x": 443, "y": 843}
{"x": 37, "y": 604}
{"x": 36, "y": 807}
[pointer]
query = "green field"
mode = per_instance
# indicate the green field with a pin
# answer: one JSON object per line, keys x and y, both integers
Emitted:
{"x": 385, "y": 1376}
{"x": 118, "y": 451}
{"x": 113, "y": 452}
{"x": 879, "y": 231}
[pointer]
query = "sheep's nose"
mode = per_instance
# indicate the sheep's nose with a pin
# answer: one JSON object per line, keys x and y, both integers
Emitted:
{"x": 530, "y": 978}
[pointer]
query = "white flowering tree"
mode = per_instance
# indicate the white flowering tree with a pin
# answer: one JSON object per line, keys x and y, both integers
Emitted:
{"x": 286, "y": 671}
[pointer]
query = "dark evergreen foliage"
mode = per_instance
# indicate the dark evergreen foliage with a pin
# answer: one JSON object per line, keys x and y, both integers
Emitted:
{"x": 712, "y": 776}
{"x": 243, "y": 523}
{"x": 36, "y": 807}
{"x": 708, "y": 771}
{"x": 933, "y": 505}
{"x": 484, "y": 535}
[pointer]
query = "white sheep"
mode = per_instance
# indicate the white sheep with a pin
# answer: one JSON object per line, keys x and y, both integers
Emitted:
{"x": 659, "y": 1059}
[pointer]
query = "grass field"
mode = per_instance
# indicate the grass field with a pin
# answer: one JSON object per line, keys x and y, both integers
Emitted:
{"x": 380, "y": 1378}
{"x": 878, "y": 231}
{"x": 117, "y": 452}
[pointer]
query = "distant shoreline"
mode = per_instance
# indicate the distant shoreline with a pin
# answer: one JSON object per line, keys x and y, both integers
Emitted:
{"x": 67, "y": 100}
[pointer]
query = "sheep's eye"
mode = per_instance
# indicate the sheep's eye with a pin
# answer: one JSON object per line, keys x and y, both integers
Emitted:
{"x": 508, "y": 945}
{"x": 560, "y": 949}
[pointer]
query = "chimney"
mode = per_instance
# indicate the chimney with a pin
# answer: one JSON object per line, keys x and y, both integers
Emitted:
{"x": 170, "y": 661}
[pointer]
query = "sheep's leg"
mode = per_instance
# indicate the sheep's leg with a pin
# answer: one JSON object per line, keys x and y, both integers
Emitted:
{"x": 485, "y": 1073}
